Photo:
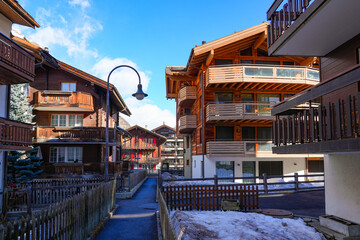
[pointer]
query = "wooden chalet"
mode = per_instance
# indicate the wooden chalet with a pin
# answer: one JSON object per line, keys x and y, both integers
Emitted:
{"x": 324, "y": 118}
{"x": 70, "y": 116}
{"x": 224, "y": 96}
{"x": 143, "y": 149}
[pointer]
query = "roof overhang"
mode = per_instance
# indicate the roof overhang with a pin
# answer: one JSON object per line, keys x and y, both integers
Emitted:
{"x": 324, "y": 25}
{"x": 13, "y": 11}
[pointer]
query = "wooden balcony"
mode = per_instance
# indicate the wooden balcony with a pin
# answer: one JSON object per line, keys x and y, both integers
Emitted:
{"x": 15, "y": 135}
{"x": 240, "y": 112}
{"x": 63, "y": 101}
{"x": 187, "y": 123}
{"x": 16, "y": 64}
{"x": 261, "y": 77}
{"x": 143, "y": 146}
{"x": 310, "y": 27}
{"x": 76, "y": 134}
{"x": 333, "y": 127}
{"x": 187, "y": 96}
{"x": 237, "y": 148}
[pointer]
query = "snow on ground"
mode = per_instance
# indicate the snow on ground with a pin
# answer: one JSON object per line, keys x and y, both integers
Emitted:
{"x": 238, "y": 225}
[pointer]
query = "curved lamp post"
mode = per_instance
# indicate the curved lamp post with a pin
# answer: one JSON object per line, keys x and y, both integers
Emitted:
{"x": 139, "y": 96}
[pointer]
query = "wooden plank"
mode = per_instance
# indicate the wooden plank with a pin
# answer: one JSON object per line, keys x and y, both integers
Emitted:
{"x": 321, "y": 126}
{"x": 338, "y": 119}
{"x": 349, "y": 128}
{"x": 328, "y": 122}
{"x": 312, "y": 125}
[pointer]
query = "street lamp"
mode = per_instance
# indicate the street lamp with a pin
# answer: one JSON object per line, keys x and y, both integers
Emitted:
{"x": 139, "y": 96}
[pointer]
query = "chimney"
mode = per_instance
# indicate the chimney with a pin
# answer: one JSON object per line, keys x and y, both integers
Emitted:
{"x": 146, "y": 127}
{"x": 46, "y": 49}
{"x": 203, "y": 42}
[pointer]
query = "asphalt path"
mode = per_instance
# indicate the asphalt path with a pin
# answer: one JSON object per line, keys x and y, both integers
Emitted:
{"x": 135, "y": 218}
{"x": 309, "y": 203}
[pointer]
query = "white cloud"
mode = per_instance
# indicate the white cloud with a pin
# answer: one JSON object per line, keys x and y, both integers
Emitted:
{"x": 144, "y": 113}
{"x": 82, "y": 3}
{"x": 124, "y": 79}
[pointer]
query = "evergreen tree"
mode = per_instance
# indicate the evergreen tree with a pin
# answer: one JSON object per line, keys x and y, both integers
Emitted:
{"x": 23, "y": 167}
{"x": 20, "y": 109}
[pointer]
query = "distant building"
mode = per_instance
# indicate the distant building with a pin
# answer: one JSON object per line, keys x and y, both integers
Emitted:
{"x": 172, "y": 151}
{"x": 142, "y": 150}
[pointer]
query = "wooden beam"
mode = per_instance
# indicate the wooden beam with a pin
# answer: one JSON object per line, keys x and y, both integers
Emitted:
{"x": 308, "y": 61}
{"x": 209, "y": 58}
{"x": 260, "y": 40}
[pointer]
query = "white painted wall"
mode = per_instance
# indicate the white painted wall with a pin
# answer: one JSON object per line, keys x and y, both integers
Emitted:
{"x": 5, "y": 25}
{"x": 342, "y": 181}
{"x": 291, "y": 165}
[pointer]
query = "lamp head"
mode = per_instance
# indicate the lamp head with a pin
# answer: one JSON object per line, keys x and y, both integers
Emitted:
{"x": 139, "y": 94}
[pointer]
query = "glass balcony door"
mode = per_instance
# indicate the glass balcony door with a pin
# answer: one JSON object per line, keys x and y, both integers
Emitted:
{"x": 248, "y": 170}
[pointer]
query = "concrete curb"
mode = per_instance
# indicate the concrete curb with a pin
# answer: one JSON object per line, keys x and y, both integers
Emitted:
{"x": 100, "y": 226}
{"x": 158, "y": 224}
{"x": 127, "y": 195}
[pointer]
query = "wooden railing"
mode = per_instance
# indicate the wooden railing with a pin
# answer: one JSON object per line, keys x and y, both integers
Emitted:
{"x": 187, "y": 123}
{"x": 15, "y": 135}
{"x": 72, "y": 218}
{"x": 81, "y": 134}
{"x": 16, "y": 60}
{"x": 238, "y": 111}
{"x": 63, "y": 99}
{"x": 209, "y": 197}
{"x": 266, "y": 184}
{"x": 282, "y": 19}
{"x": 262, "y": 74}
{"x": 167, "y": 229}
{"x": 187, "y": 96}
{"x": 139, "y": 146}
{"x": 125, "y": 182}
{"x": 333, "y": 121}
{"x": 237, "y": 147}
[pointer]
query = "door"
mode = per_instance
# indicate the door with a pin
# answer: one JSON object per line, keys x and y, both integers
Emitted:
{"x": 248, "y": 134}
{"x": 248, "y": 170}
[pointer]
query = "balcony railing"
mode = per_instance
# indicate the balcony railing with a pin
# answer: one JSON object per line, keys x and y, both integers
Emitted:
{"x": 142, "y": 146}
{"x": 238, "y": 111}
{"x": 77, "y": 134}
{"x": 187, "y": 123}
{"x": 237, "y": 147}
{"x": 261, "y": 74}
{"x": 15, "y": 135}
{"x": 16, "y": 64}
{"x": 187, "y": 96}
{"x": 70, "y": 101}
{"x": 281, "y": 18}
{"x": 333, "y": 121}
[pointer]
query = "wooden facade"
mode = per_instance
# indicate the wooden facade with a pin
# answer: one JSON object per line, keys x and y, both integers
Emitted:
{"x": 70, "y": 116}
{"x": 236, "y": 84}
{"x": 143, "y": 150}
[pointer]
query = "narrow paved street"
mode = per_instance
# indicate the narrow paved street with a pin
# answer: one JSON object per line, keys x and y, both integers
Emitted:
{"x": 136, "y": 217}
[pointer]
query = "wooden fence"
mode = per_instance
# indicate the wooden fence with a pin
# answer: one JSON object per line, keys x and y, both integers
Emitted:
{"x": 73, "y": 218}
{"x": 44, "y": 192}
{"x": 127, "y": 181}
{"x": 209, "y": 197}
{"x": 167, "y": 228}
{"x": 266, "y": 184}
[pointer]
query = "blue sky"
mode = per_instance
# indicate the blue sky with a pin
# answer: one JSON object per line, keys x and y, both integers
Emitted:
{"x": 95, "y": 36}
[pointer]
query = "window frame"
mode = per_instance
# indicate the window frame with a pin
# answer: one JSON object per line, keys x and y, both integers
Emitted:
{"x": 76, "y": 152}
{"x": 68, "y": 86}
{"x": 57, "y": 119}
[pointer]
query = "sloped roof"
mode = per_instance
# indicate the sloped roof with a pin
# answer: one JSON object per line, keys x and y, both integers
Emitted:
{"x": 135, "y": 128}
{"x": 163, "y": 126}
{"x": 40, "y": 54}
{"x": 13, "y": 11}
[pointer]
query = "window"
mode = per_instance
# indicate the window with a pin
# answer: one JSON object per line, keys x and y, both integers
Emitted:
{"x": 66, "y": 120}
{"x": 268, "y": 97}
{"x": 69, "y": 87}
{"x": 262, "y": 53}
{"x": 66, "y": 154}
{"x": 271, "y": 168}
{"x": 225, "y": 169}
{"x": 315, "y": 166}
{"x": 223, "y": 61}
{"x": 287, "y": 96}
{"x": 224, "y": 133}
{"x": 223, "y": 97}
{"x": 264, "y": 62}
{"x": 246, "y": 52}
